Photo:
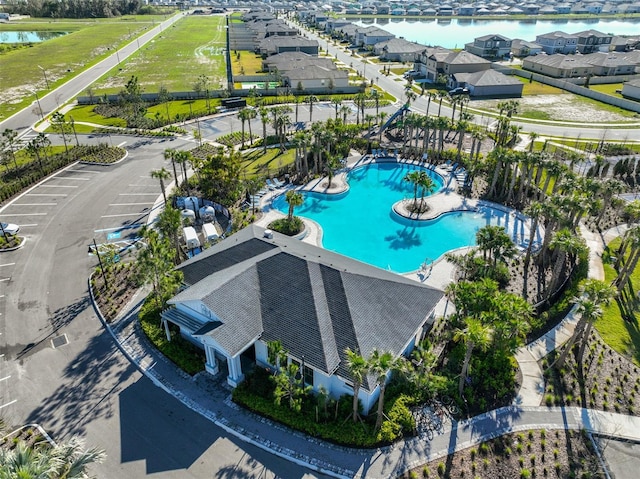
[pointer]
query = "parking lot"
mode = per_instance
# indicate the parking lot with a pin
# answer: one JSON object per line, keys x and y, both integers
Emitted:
{"x": 117, "y": 219}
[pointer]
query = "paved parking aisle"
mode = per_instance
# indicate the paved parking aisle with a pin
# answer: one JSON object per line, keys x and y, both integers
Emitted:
{"x": 125, "y": 215}
{"x": 8, "y": 375}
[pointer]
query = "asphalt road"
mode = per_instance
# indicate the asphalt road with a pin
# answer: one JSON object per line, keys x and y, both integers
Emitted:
{"x": 60, "y": 368}
{"x": 24, "y": 119}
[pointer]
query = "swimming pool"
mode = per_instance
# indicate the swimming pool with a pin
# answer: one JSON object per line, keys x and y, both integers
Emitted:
{"x": 361, "y": 224}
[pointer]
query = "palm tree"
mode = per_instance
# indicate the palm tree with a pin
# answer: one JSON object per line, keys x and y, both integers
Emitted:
{"x": 566, "y": 244}
{"x": 358, "y": 368}
{"x": 337, "y": 103}
{"x": 441, "y": 96}
{"x": 169, "y": 154}
{"x": 532, "y": 140}
{"x": 333, "y": 162}
{"x": 475, "y": 334}
{"x": 311, "y": 99}
{"x": 252, "y": 114}
{"x": 68, "y": 460}
{"x": 534, "y": 211}
{"x": 413, "y": 177}
{"x": 380, "y": 365}
{"x": 495, "y": 244}
{"x": 593, "y": 295}
{"x": 264, "y": 117}
{"x": 426, "y": 185}
{"x": 345, "y": 110}
{"x": 242, "y": 116}
{"x": 293, "y": 199}
{"x": 161, "y": 174}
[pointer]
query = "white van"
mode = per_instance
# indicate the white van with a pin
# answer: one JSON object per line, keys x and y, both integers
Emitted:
{"x": 209, "y": 232}
{"x": 191, "y": 238}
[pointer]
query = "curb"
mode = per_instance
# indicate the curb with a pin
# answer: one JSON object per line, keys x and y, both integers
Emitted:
{"x": 14, "y": 248}
{"x": 95, "y": 163}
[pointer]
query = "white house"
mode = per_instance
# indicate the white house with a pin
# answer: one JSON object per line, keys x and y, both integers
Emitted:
{"x": 256, "y": 287}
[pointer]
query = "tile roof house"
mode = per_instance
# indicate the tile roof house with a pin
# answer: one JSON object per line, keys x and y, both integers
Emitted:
{"x": 464, "y": 62}
{"x": 489, "y": 83}
{"x": 315, "y": 76}
{"x": 367, "y": 36}
{"x": 287, "y": 61}
{"x": 255, "y": 287}
{"x": 558, "y": 66}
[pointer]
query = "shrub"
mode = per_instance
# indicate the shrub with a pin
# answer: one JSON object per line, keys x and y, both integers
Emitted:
{"x": 286, "y": 227}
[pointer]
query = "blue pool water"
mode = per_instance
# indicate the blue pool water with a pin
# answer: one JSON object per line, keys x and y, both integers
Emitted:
{"x": 361, "y": 223}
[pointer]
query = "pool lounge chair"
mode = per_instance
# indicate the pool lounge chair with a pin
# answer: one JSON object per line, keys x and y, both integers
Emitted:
{"x": 270, "y": 185}
{"x": 277, "y": 183}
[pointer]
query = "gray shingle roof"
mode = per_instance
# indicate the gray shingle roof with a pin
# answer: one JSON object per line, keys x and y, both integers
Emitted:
{"x": 486, "y": 78}
{"x": 316, "y": 302}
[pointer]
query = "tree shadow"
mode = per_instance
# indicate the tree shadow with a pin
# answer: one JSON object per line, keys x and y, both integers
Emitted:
{"x": 88, "y": 384}
{"x": 406, "y": 238}
{"x": 59, "y": 319}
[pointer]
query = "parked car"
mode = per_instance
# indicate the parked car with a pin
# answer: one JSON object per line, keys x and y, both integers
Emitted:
{"x": 10, "y": 229}
{"x": 411, "y": 73}
{"x": 459, "y": 91}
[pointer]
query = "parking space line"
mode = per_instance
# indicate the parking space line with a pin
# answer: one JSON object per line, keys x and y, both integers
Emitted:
{"x": 138, "y": 194}
{"x": 58, "y": 186}
{"x": 4, "y": 378}
{"x": 84, "y": 171}
{"x": 35, "y": 204}
{"x": 70, "y": 178}
{"x": 24, "y": 214}
{"x": 129, "y": 204}
{"x": 2, "y": 280}
{"x": 118, "y": 228}
{"x": 46, "y": 194}
{"x": 8, "y": 404}
{"x": 125, "y": 214}
{"x": 6, "y": 264}
{"x": 28, "y": 225}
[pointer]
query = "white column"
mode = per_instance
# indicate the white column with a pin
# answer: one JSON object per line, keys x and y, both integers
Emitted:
{"x": 212, "y": 363}
{"x": 166, "y": 330}
{"x": 235, "y": 371}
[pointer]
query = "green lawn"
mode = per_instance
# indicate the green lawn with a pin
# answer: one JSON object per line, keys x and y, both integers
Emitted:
{"x": 249, "y": 63}
{"x": 175, "y": 59}
{"x": 621, "y": 335}
{"x": 608, "y": 88}
{"x": 63, "y": 57}
{"x": 537, "y": 88}
{"x": 256, "y": 164}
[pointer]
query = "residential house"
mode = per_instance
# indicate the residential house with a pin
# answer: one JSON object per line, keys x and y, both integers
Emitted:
{"x": 369, "y": 36}
{"x": 490, "y": 46}
{"x": 594, "y": 8}
{"x": 464, "y": 62}
{"x": 557, "y": 42}
{"x": 489, "y": 83}
{"x": 624, "y": 44}
{"x": 290, "y": 60}
{"x": 563, "y": 8}
{"x": 334, "y": 23}
{"x": 610, "y": 64}
{"x": 445, "y": 10}
{"x": 315, "y": 76}
{"x": 397, "y": 50}
{"x": 548, "y": 10}
{"x": 631, "y": 90}
{"x": 523, "y": 48}
{"x": 558, "y": 66}
{"x": 531, "y": 9}
{"x": 430, "y": 62}
{"x": 256, "y": 287}
{"x": 590, "y": 41}
{"x": 466, "y": 10}
{"x": 278, "y": 44}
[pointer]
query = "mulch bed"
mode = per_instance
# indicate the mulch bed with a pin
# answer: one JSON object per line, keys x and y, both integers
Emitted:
{"x": 609, "y": 381}
{"x": 119, "y": 291}
{"x": 529, "y": 454}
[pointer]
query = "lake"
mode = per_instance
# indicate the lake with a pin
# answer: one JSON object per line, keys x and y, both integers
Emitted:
{"x": 455, "y": 32}
{"x": 28, "y": 37}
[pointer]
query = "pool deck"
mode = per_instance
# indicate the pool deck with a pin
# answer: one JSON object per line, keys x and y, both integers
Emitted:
{"x": 437, "y": 274}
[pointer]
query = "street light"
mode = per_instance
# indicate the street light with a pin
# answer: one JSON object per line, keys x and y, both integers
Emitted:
{"x": 44, "y": 72}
